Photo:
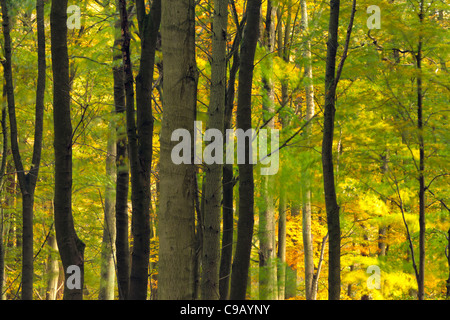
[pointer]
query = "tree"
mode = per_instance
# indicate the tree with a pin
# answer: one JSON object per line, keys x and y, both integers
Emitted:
{"x": 306, "y": 185}
{"x": 140, "y": 139}
{"x": 177, "y": 216}
{"x": 267, "y": 262}
{"x": 109, "y": 224}
{"x": 228, "y": 181}
{"x": 27, "y": 181}
{"x": 246, "y": 184}
{"x": 71, "y": 248}
{"x": 331, "y": 80}
{"x": 213, "y": 175}
{"x": 122, "y": 181}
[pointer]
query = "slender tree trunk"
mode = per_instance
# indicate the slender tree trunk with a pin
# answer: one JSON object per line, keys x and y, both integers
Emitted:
{"x": 27, "y": 181}
{"x": 306, "y": 175}
{"x": 281, "y": 254}
{"x": 213, "y": 175}
{"x": 140, "y": 139}
{"x": 2, "y": 175}
{"x": 177, "y": 215}
{"x": 334, "y": 230}
{"x": 283, "y": 53}
{"x": 241, "y": 262}
{"x": 422, "y": 227}
{"x": 122, "y": 245}
{"x": 228, "y": 181}
{"x": 267, "y": 262}
{"x": 447, "y": 253}
{"x": 109, "y": 225}
{"x": 71, "y": 248}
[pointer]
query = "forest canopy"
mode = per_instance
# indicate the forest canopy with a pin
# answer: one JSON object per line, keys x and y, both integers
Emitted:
{"x": 225, "y": 149}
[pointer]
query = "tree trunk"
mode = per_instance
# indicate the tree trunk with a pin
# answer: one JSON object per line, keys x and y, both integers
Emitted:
{"x": 332, "y": 208}
{"x": 283, "y": 53}
{"x": 213, "y": 175}
{"x": 2, "y": 175}
{"x": 140, "y": 140}
{"x": 177, "y": 182}
{"x": 107, "y": 272}
{"x": 306, "y": 175}
{"x": 241, "y": 262}
{"x": 27, "y": 181}
{"x": 448, "y": 262}
{"x": 228, "y": 181}
{"x": 281, "y": 254}
{"x": 122, "y": 245}
{"x": 71, "y": 248}
{"x": 267, "y": 262}
{"x": 52, "y": 268}
{"x": 420, "y": 280}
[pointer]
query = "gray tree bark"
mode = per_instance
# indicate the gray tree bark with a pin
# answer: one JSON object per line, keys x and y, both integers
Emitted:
{"x": 213, "y": 175}
{"x": 306, "y": 175}
{"x": 177, "y": 216}
{"x": 107, "y": 272}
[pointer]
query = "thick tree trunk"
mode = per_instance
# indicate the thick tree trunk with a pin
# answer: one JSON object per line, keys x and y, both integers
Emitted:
{"x": 334, "y": 230}
{"x": 177, "y": 182}
{"x": 213, "y": 175}
{"x": 71, "y": 248}
{"x": 122, "y": 181}
{"x": 241, "y": 262}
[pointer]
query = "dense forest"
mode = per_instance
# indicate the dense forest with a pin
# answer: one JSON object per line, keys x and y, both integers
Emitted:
{"x": 225, "y": 149}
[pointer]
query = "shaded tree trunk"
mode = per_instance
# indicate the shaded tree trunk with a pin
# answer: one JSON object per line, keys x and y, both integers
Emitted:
{"x": 177, "y": 182}
{"x": 140, "y": 140}
{"x": 334, "y": 230}
{"x": 447, "y": 253}
{"x": 122, "y": 181}
{"x": 213, "y": 175}
{"x": 71, "y": 248}
{"x": 228, "y": 181}
{"x": 331, "y": 80}
{"x": 2, "y": 175}
{"x": 422, "y": 227}
{"x": 241, "y": 261}
{"x": 27, "y": 181}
